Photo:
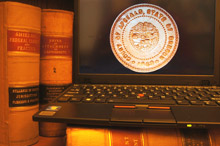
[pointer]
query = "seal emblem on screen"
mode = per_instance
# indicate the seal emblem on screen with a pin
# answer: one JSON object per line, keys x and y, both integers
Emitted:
{"x": 144, "y": 38}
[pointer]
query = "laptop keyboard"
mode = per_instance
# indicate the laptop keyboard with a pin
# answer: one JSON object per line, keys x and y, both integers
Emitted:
{"x": 131, "y": 94}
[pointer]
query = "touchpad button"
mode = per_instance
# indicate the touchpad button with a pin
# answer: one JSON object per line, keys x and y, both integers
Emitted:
{"x": 158, "y": 116}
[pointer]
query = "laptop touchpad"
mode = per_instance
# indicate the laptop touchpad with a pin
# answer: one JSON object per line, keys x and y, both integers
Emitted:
{"x": 143, "y": 115}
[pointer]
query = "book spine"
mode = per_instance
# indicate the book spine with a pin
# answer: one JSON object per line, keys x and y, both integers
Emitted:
{"x": 141, "y": 137}
{"x": 3, "y": 84}
{"x": 55, "y": 61}
{"x": 20, "y": 49}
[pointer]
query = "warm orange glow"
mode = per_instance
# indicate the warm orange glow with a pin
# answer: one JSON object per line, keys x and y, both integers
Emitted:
{"x": 159, "y": 107}
{"x": 124, "y": 106}
{"x": 87, "y": 137}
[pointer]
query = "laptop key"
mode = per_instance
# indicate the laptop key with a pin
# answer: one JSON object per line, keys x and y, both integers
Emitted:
{"x": 218, "y": 102}
{"x": 191, "y": 98}
{"x": 182, "y": 102}
{"x": 203, "y": 98}
{"x": 63, "y": 99}
{"x": 88, "y": 99}
{"x": 194, "y": 102}
{"x": 179, "y": 97}
{"x": 215, "y": 99}
{"x": 154, "y": 97}
{"x": 100, "y": 100}
{"x": 211, "y": 103}
{"x": 75, "y": 99}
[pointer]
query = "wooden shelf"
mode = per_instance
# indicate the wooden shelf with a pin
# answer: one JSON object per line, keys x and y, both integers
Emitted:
{"x": 51, "y": 141}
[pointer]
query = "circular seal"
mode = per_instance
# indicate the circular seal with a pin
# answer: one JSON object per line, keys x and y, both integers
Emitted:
{"x": 144, "y": 38}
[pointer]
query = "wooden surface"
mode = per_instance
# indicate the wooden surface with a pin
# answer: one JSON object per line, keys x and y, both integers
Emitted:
{"x": 51, "y": 141}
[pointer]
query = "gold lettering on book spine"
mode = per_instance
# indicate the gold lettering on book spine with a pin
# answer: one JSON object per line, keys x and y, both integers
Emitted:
{"x": 56, "y": 61}
{"x": 20, "y": 43}
{"x": 56, "y": 47}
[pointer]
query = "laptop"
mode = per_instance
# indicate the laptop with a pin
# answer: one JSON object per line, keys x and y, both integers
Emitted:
{"x": 143, "y": 63}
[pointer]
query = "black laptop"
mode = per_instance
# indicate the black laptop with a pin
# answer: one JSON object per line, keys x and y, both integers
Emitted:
{"x": 143, "y": 63}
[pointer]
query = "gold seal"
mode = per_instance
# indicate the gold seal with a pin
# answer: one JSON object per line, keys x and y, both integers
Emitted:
{"x": 144, "y": 38}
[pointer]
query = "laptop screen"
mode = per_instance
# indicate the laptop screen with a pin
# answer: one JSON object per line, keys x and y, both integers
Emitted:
{"x": 146, "y": 38}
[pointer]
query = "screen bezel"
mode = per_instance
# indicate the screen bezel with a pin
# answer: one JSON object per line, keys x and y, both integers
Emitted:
{"x": 146, "y": 79}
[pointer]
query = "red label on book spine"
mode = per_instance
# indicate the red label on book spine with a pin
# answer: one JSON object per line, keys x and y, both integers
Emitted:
{"x": 56, "y": 46}
{"x": 22, "y": 41}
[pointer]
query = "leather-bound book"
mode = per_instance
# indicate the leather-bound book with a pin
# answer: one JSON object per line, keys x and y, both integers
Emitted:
{"x": 20, "y": 26}
{"x": 55, "y": 62}
{"x": 94, "y": 136}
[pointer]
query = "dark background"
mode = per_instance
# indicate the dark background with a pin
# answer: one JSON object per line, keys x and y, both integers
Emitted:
{"x": 195, "y": 21}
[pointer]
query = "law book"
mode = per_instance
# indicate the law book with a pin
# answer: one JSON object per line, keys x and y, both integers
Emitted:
{"x": 20, "y": 26}
{"x": 106, "y": 136}
{"x": 55, "y": 61}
